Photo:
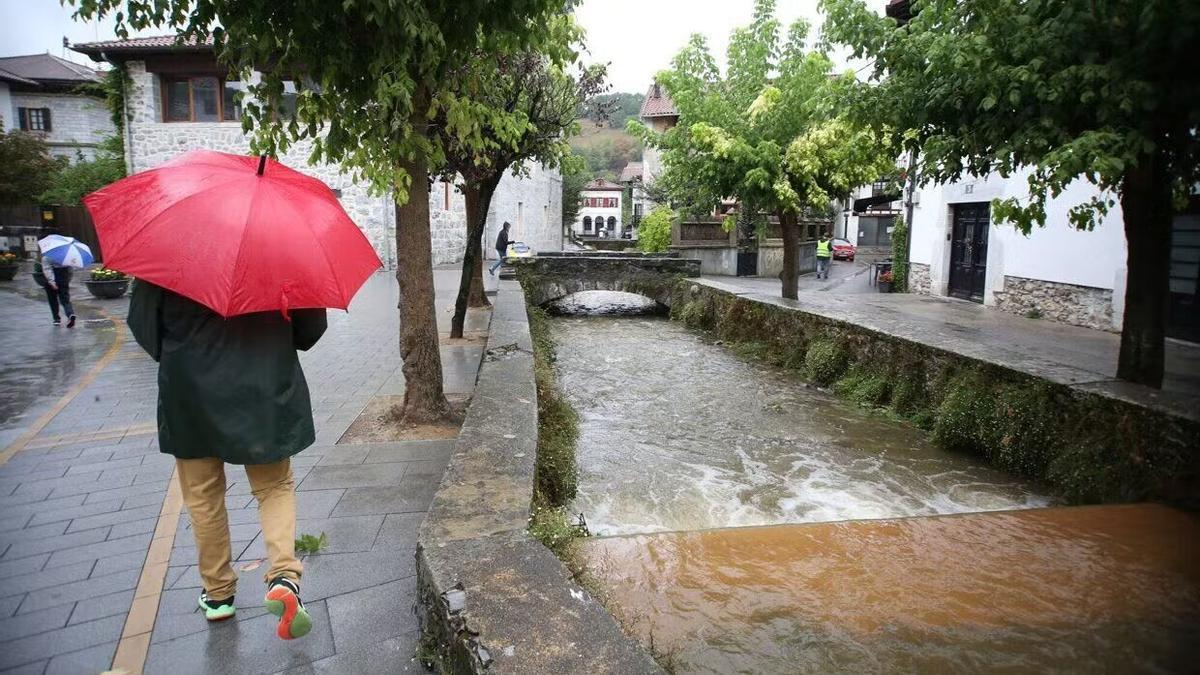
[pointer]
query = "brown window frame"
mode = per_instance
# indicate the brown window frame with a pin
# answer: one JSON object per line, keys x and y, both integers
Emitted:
{"x": 166, "y": 80}
{"x": 25, "y": 119}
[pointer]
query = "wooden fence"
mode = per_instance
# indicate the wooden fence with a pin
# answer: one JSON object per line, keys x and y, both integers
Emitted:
{"x": 70, "y": 221}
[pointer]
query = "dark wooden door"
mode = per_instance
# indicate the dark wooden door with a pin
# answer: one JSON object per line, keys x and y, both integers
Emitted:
{"x": 968, "y": 251}
{"x": 1183, "y": 308}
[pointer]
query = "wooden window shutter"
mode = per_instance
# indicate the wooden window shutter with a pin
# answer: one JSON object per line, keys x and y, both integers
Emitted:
{"x": 46, "y": 119}
{"x": 23, "y": 118}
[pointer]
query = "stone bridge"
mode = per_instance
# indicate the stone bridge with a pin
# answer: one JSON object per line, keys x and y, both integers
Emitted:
{"x": 550, "y": 276}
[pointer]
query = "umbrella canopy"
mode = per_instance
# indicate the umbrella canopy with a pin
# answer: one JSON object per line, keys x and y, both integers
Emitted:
{"x": 66, "y": 251}
{"x": 237, "y": 234}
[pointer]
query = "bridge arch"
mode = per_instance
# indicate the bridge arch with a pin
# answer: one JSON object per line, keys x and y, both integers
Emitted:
{"x": 546, "y": 278}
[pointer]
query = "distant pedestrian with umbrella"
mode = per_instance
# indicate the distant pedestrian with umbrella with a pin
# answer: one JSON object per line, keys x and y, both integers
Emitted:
{"x": 52, "y": 271}
{"x": 229, "y": 287}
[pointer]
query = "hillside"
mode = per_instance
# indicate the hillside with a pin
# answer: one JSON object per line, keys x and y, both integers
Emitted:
{"x": 605, "y": 148}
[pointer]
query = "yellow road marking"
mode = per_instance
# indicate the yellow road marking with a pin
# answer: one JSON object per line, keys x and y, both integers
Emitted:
{"x": 41, "y": 422}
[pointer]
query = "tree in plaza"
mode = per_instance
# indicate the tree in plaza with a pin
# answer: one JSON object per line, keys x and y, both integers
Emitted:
{"x": 1105, "y": 91}
{"x": 374, "y": 74}
{"x": 26, "y": 167}
{"x": 765, "y": 133}
{"x": 533, "y": 104}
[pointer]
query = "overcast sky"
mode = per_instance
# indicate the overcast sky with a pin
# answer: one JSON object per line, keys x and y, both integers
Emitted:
{"x": 638, "y": 37}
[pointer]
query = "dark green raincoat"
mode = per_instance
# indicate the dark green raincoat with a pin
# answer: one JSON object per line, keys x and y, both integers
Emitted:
{"x": 229, "y": 388}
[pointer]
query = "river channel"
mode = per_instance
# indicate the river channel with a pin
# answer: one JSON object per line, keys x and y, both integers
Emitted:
{"x": 746, "y": 522}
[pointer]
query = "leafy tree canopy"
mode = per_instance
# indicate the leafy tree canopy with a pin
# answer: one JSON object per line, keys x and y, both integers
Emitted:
{"x": 26, "y": 167}
{"x": 369, "y": 67}
{"x": 654, "y": 233}
{"x": 1071, "y": 88}
{"x": 75, "y": 181}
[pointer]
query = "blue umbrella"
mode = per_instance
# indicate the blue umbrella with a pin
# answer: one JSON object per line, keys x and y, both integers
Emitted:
{"x": 66, "y": 251}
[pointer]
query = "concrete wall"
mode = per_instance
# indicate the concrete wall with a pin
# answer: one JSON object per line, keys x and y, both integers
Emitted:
{"x": 150, "y": 142}
{"x": 1052, "y": 261}
{"x": 77, "y": 123}
{"x": 713, "y": 259}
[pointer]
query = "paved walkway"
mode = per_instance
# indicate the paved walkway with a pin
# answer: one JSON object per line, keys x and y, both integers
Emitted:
{"x": 89, "y": 529}
{"x": 1082, "y": 357}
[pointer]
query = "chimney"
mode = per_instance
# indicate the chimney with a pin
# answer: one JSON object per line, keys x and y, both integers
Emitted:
{"x": 657, "y": 91}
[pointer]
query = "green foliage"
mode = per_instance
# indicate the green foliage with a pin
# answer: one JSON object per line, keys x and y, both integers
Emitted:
{"x": 614, "y": 109}
{"x": 558, "y": 423}
{"x": 307, "y": 543}
{"x": 552, "y": 526}
{"x": 900, "y": 256}
{"x": 654, "y": 232}
{"x": 1074, "y": 89}
{"x": 861, "y": 385}
{"x": 825, "y": 361}
{"x": 375, "y": 72}
{"x": 26, "y": 167}
{"x": 1013, "y": 425}
{"x": 112, "y": 90}
{"x": 766, "y": 133}
{"x": 575, "y": 177}
{"x": 75, "y": 181}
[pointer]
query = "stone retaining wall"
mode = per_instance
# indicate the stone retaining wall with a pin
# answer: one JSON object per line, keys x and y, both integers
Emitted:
{"x": 1094, "y": 441}
{"x": 919, "y": 279}
{"x": 492, "y": 598}
{"x": 1077, "y": 305}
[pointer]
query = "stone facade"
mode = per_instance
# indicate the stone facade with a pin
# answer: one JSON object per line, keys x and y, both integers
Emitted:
{"x": 151, "y": 142}
{"x": 1077, "y": 305}
{"x": 919, "y": 280}
{"x": 77, "y": 123}
{"x": 533, "y": 204}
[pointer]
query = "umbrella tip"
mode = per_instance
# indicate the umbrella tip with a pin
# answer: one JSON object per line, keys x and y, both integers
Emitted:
{"x": 262, "y": 164}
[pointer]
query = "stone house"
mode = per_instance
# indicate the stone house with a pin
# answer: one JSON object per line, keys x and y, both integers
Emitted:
{"x": 180, "y": 98}
{"x": 600, "y": 210}
{"x": 40, "y": 93}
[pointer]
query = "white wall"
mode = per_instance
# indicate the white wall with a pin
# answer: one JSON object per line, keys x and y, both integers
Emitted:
{"x": 8, "y": 114}
{"x": 76, "y": 122}
{"x": 1054, "y": 253}
{"x": 533, "y": 204}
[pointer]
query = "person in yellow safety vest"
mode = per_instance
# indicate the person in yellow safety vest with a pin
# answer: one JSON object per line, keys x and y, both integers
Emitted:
{"x": 824, "y": 255}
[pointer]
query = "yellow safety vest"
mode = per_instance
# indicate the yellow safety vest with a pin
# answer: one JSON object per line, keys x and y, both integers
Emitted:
{"x": 823, "y": 248}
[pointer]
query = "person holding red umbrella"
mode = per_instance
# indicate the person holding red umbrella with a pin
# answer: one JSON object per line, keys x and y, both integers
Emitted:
{"x": 235, "y": 267}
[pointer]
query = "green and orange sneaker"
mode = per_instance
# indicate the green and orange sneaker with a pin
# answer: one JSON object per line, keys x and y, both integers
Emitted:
{"x": 283, "y": 600}
{"x": 216, "y": 610}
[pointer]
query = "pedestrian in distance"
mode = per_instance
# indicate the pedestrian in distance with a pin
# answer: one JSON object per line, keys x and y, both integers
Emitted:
{"x": 824, "y": 255}
{"x": 56, "y": 282}
{"x": 502, "y": 242}
{"x": 231, "y": 390}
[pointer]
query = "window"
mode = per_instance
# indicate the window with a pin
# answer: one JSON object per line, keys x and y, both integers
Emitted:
{"x": 612, "y": 223}
{"x": 205, "y": 98}
{"x": 879, "y": 187}
{"x": 34, "y": 119}
{"x": 587, "y": 223}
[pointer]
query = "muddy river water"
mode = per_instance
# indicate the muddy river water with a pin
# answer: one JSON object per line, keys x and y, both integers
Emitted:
{"x": 748, "y": 523}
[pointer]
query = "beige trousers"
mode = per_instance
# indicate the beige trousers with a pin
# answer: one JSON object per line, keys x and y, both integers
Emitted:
{"x": 203, "y": 484}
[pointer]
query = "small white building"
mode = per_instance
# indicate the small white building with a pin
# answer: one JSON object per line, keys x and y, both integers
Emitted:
{"x": 600, "y": 209}
{"x": 866, "y": 219}
{"x": 180, "y": 98}
{"x": 39, "y": 93}
{"x": 1058, "y": 272}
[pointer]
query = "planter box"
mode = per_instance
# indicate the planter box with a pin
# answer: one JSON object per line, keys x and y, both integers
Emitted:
{"x": 8, "y": 272}
{"x": 885, "y": 287}
{"x": 108, "y": 290}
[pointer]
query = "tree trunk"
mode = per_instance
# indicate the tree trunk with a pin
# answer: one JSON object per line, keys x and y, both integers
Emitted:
{"x": 790, "y": 276}
{"x": 478, "y": 199}
{"x": 477, "y": 297}
{"x": 424, "y": 400}
{"x": 1147, "y": 207}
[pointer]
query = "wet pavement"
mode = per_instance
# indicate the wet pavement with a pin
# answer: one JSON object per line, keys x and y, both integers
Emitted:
{"x": 39, "y": 361}
{"x": 92, "y": 556}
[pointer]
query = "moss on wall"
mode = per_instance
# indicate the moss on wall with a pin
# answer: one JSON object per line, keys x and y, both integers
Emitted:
{"x": 1092, "y": 448}
{"x": 558, "y": 424}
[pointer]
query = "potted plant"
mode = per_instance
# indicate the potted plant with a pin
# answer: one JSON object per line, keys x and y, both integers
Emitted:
{"x": 107, "y": 284}
{"x": 9, "y": 264}
{"x": 885, "y": 282}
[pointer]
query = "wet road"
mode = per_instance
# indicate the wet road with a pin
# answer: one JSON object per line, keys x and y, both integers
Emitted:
{"x": 39, "y": 361}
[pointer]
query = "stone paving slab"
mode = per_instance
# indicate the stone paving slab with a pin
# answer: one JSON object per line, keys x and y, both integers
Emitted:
{"x": 80, "y": 504}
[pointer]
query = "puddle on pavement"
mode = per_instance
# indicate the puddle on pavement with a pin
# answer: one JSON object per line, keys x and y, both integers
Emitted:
{"x": 1085, "y": 589}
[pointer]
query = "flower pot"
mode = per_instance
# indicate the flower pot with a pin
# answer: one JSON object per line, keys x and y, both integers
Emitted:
{"x": 9, "y": 272}
{"x": 108, "y": 290}
{"x": 885, "y": 287}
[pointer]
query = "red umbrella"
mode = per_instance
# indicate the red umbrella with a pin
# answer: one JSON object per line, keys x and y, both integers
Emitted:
{"x": 237, "y": 234}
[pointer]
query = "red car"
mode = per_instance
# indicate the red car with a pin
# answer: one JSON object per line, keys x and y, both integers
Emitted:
{"x": 843, "y": 250}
